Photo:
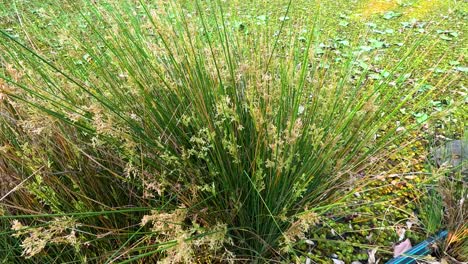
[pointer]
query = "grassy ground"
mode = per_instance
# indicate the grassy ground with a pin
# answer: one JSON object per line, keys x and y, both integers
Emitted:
{"x": 84, "y": 183}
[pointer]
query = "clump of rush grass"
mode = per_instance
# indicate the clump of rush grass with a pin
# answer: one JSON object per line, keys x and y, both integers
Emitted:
{"x": 247, "y": 135}
{"x": 452, "y": 187}
{"x": 443, "y": 206}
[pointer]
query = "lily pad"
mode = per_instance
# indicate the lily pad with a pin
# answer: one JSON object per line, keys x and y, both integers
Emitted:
{"x": 344, "y": 23}
{"x": 391, "y": 14}
{"x": 425, "y": 88}
{"x": 262, "y": 18}
{"x": 421, "y": 117}
{"x": 365, "y": 48}
{"x": 375, "y": 43}
{"x": 445, "y": 37}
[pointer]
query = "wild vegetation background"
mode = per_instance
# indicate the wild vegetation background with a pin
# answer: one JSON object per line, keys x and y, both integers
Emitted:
{"x": 230, "y": 131}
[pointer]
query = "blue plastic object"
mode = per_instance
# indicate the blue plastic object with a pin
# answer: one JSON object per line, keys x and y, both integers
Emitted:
{"x": 421, "y": 249}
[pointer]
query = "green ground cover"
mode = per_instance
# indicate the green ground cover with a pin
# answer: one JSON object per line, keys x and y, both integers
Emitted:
{"x": 229, "y": 131}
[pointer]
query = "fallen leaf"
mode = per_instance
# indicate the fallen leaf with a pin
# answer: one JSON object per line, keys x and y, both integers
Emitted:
{"x": 371, "y": 254}
{"x": 337, "y": 261}
{"x": 409, "y": 224}
{"x": 402, "y": 248}
{"x": 401, "y": 233}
